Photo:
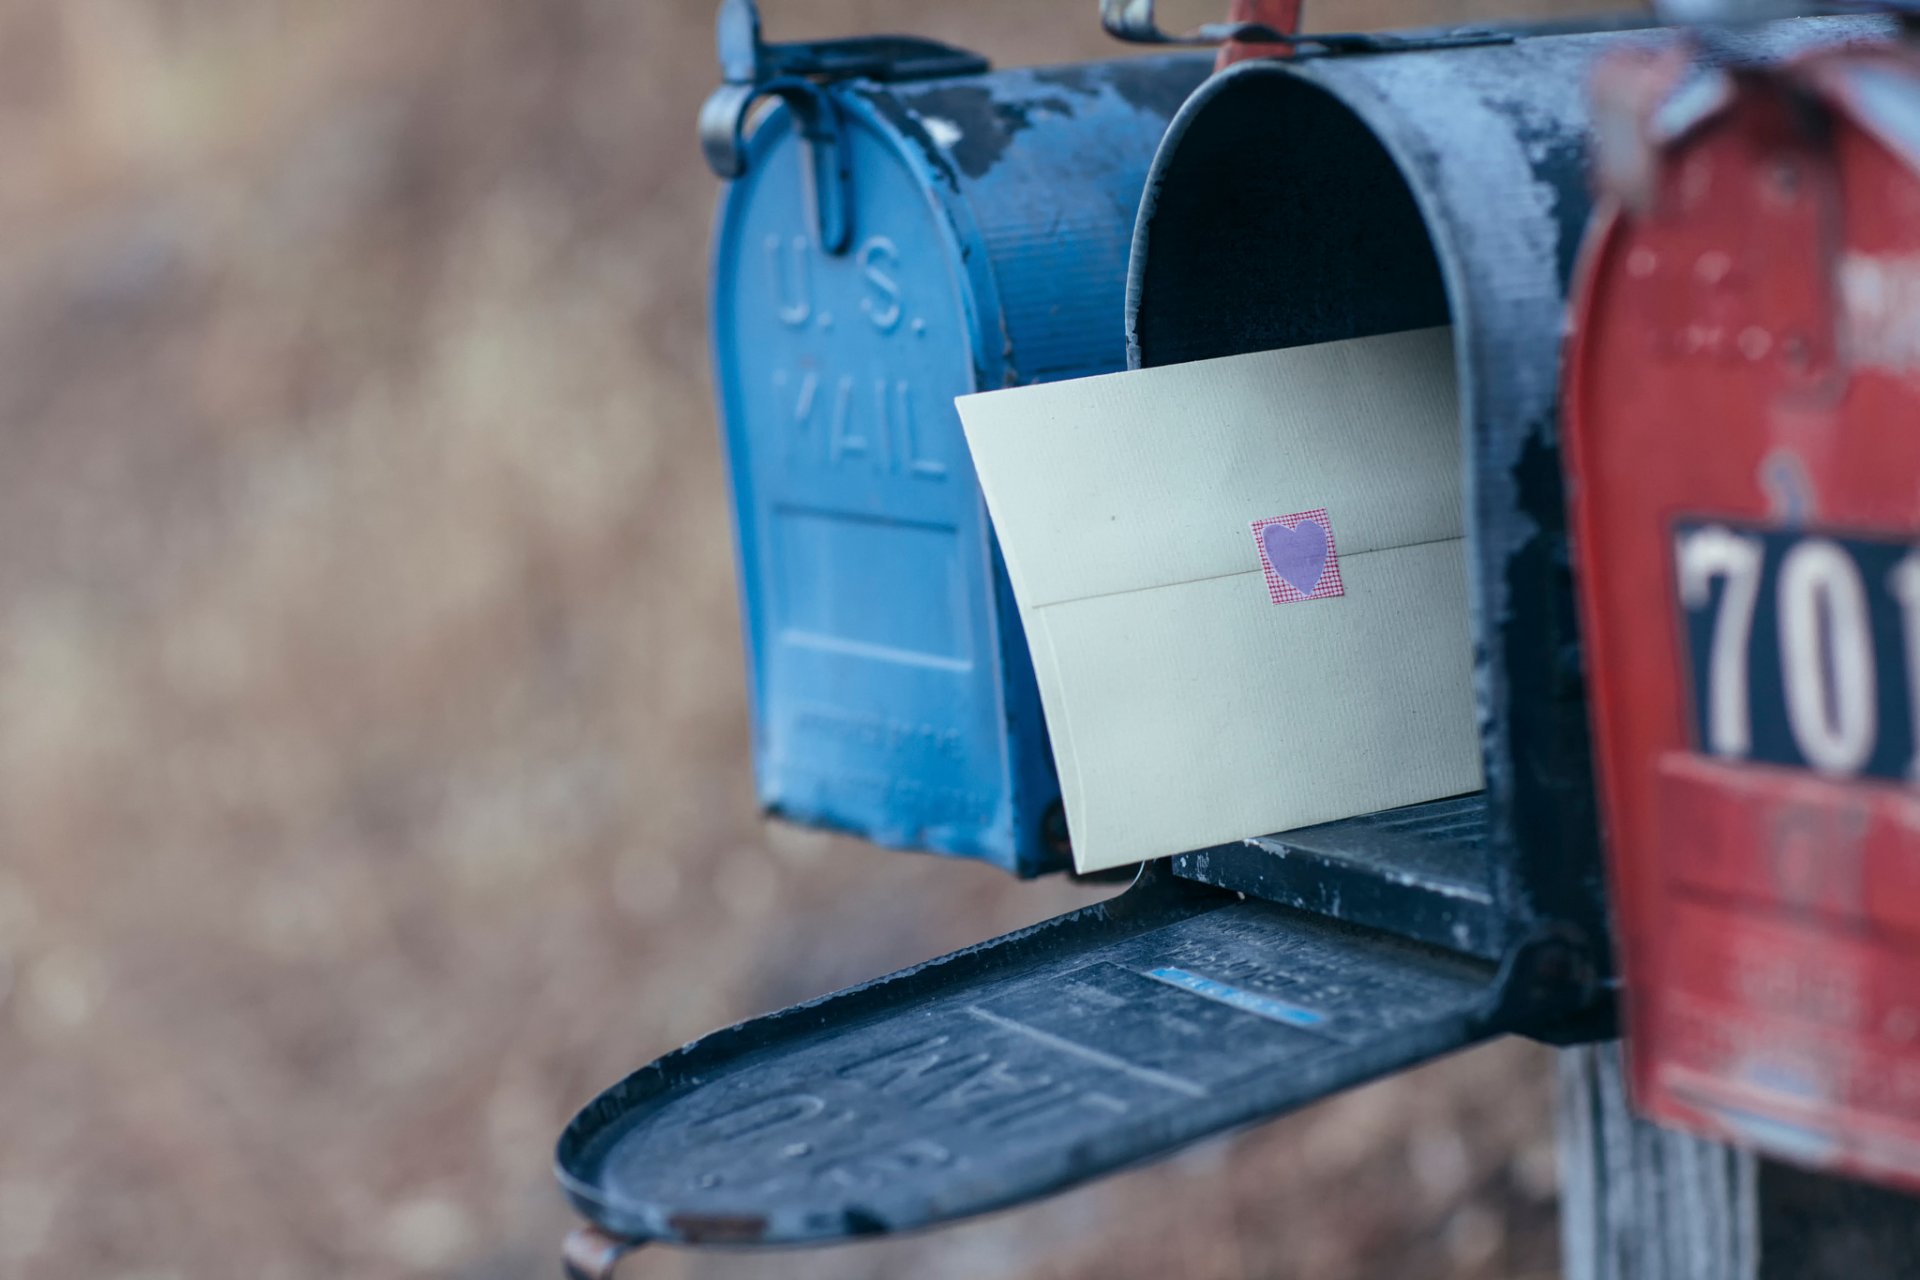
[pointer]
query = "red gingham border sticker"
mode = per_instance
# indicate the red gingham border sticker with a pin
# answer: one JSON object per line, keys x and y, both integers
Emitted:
{"x": 1297, "y": 558}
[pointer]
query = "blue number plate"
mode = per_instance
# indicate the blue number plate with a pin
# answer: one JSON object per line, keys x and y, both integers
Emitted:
{"x": 1802, "y": 647}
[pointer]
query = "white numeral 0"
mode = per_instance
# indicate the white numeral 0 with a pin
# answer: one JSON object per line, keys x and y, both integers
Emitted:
{"x": 1905, "y": 581}
{"x": 1826, "y": 657}
{"x": 1704, "y": 555}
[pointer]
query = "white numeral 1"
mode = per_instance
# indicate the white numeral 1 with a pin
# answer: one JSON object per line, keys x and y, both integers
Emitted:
{"x": 1826, "y": 656}
{"x": 1905, "y": 581}
{"x": 1706, "y": 554}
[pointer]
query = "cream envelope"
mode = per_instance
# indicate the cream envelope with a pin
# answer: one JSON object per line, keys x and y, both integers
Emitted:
{"x": 1186, "y": 707}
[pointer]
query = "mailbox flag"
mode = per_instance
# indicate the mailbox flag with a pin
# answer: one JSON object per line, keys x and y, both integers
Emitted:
{"x": 1244, "y": 585}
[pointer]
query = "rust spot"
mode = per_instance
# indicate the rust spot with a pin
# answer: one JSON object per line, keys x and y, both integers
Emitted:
{"x": 1879, "y": 325}
{"x": 592, "y": 1254}
{"x": 719, "y": 1228}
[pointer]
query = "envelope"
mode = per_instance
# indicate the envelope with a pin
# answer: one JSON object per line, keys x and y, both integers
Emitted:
{"x": 1207, "y": 676}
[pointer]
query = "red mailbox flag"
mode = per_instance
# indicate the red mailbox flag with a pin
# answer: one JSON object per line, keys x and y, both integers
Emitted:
{"x": 1281, "y": 15}
{"x": 1743, "y": 411}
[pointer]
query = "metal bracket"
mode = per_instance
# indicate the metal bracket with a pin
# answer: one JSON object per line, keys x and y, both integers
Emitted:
{"x": 592, "y": 1254}
{"x": 1133, "y": 21}
{"x": 797, "y": 73}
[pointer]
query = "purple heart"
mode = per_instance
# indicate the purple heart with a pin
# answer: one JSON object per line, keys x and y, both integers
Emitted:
{"x": 1298, "y": 555}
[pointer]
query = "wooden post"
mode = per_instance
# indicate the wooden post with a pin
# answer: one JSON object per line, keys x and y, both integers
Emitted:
{"x": 1639, "y": 1202}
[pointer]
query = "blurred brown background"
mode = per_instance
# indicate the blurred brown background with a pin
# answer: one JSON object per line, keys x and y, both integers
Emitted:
{"x": 373, "y": 761}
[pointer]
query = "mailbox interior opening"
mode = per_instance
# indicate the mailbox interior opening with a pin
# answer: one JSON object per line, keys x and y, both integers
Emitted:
{"x": 1277, "y": 218}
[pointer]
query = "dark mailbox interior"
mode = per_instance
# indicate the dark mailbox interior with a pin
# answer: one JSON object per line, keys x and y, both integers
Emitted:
{"x": 1280, "y": 219}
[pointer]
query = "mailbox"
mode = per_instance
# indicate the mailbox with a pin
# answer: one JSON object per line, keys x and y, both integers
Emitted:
{"x": 1366, "y": 186}
{"x": 1743, "y": 379}
{"x": 904, "y": 226}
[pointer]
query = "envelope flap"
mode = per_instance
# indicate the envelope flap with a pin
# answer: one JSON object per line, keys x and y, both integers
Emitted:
{"x": 1014, "y": 1069}
{"x": 1153, "y": 477}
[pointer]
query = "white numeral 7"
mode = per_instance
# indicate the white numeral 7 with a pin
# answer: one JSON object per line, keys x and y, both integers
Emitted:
{"x": 1703, "y": 555}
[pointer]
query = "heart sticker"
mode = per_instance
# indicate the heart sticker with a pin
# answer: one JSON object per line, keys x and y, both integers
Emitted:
{"x": 1298, "y": 557}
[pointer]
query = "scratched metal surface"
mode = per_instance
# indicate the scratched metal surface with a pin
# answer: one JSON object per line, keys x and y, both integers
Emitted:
{"x": 1419, "y": 871}
{"x": 1053, "y": 205}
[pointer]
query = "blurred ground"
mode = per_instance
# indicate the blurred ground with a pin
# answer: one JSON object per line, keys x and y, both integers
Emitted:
{"x": 373, "y": 767}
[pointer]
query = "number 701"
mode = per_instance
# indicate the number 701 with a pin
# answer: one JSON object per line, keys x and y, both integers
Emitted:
{"x": 1829, "y": 682}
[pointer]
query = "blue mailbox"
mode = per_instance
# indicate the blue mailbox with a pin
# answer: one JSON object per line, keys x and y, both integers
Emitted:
{"x": 901, "y": 227}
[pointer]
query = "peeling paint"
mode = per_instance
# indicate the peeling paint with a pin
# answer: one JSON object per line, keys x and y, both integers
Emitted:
{"x": 1880, "y": 311}
{"x": 1131, "y": 79}
{"x": 945, "y": 133}
{"x": 974, "y": 122}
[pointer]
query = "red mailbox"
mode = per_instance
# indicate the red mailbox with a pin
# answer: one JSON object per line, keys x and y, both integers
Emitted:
{"x": 1743, "y": 409}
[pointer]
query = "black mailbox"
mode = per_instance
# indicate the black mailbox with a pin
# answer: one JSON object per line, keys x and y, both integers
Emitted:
{"x": 1337, "y": 198}
{"x": 1292, "y": 202}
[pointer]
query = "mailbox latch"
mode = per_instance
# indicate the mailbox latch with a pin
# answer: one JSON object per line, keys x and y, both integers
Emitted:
{"x": 796, "y": 73}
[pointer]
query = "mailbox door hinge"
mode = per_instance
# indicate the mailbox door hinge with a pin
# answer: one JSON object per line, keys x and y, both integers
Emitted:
{"x": 797, "y": 73}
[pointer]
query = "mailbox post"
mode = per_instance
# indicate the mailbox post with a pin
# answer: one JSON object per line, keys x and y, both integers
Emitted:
{"x": 1639, "y": 1201}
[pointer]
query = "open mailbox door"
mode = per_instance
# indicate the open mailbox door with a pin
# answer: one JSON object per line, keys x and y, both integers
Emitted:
{"x": 1013, "y": 1069}
{"x": 1291, "y": 203}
